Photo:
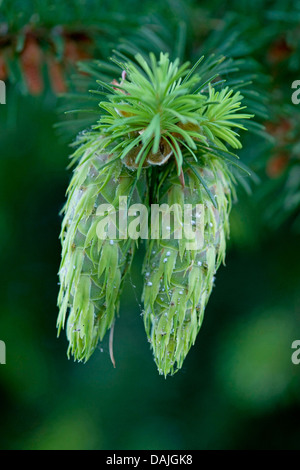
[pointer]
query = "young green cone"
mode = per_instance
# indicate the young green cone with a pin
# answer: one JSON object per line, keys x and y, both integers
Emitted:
{"x": 179, "y": 276}
{"x": 93, "y": 268}
{"x": 167, "y": 122}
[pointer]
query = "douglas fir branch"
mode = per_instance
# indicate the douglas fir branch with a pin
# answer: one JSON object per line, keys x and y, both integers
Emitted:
{"x": 165, "y": 135}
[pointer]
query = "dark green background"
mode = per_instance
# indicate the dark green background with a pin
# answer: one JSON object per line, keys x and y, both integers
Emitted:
{"x": 238, "y": 388}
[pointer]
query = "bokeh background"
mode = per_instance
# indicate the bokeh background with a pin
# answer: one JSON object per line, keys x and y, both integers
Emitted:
{"x": 238, "y": 388}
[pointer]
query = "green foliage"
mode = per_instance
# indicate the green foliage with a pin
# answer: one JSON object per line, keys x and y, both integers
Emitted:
{"x": 166, "y": 106}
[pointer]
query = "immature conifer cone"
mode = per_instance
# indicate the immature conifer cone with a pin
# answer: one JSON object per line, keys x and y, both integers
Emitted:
{"x": 179, "y": 280}
{"x": 92, "y": 269}
{"x": 168, "y": 123}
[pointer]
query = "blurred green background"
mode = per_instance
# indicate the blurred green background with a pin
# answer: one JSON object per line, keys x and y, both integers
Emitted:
{"x": 238, "y": 388}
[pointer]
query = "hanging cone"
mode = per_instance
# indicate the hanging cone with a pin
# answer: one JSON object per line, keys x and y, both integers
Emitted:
{"x": 92, "y": 269}
{"x": 167, "y": 122}
{"x": 178, "y": 279}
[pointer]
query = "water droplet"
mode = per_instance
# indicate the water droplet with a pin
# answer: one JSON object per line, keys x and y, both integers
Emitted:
{"x": 165, "y": 260}
{"x": 149, "y": 283}
{"x": 199, "y": 263}
{"x": 111, "y": 242}
{"x": 168, "y": 253}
